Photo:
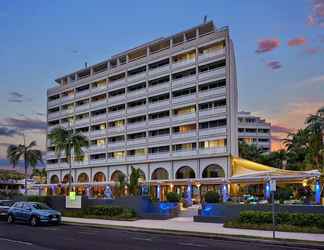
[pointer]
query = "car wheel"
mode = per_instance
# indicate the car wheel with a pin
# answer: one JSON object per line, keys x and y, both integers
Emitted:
{"x": 10, "y": 219}
{"x": 33, "y": 221}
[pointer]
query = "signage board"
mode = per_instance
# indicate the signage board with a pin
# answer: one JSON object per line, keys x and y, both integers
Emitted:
{"x": 73, "y": 203}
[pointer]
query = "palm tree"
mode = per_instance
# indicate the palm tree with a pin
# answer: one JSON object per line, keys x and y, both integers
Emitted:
{"x": 30, "y": 156}
{"x": 68, "y": 141}
{"x": 134, "y": 178}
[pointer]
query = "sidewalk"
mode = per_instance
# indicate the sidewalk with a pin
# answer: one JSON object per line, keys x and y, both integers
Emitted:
{"x": 186, "y": 224}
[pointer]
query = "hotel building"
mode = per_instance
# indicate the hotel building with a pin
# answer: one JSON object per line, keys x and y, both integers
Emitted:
{"x": 254, "y": 130}
{"x": 167, "y": 107}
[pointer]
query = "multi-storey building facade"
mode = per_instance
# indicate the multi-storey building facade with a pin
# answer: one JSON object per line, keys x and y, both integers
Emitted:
{"x": 254, "y": 130}
{"x": 168, "y": 107}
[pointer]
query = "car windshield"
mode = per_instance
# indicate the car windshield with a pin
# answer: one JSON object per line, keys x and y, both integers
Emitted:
{"x": 6, "y": 203}
{"x": 40, "y": 206}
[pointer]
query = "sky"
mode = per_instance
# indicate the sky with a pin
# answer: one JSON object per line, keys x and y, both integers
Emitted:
{"x": 279, "y": 48}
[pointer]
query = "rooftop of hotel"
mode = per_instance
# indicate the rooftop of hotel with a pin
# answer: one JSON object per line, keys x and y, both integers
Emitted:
{"x": 143, "y": 50}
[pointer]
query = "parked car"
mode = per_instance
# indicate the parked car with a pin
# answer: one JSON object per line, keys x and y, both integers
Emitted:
{"x": 34, "y": 213}
{"x": 4, "y": 207}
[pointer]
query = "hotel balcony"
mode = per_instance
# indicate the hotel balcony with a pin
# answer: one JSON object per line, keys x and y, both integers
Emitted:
{"x": 99, "y": 118}
{"x": 159, "y": 122}
{"x": 212, "y": 131}
{"x": 212, "y": 92}
{"x": 183, "y": 136}
{"x": 131, "y": 142}
{"x": 220, "y": 150}
{"x": 82, "y": 93}
{"x": 80, "y": 163}
{"x": 116, "y": 114}
{"x": 183, "y": 63}
{"x": 81, "y": 108}
{"x": 136, "y": 158}
{"x": 137, "y": 77}
{"x": 184, "y": 99}
{"x": 98, "y": 161}
{"x": 83, "y": 121}
{"x": 136, "y": 93}
{"x": 211, "y": 112}
{"x": 183, "y": 81}
{"x": 181, "y": 153}
{"x": 112, "y": 160}
{"x": 100, "y": 103}
{"x": 53, "y": 115}
{"x": 160, "y": 155}
{"x": 98, "y": 133}
{"x": 158, "y": 138}
{"x": 65, "y": 112}
{"x": 117, "y": 99}
{"x": 184, "y": 117}
{"x": 116, "y": 130}
{"x": 136, "y": 110}
{"x": 97, "y": 148}
{"x": 117, "y": 83}
{"x": 67, "y": 98}
{"x": 53, "y": 166}
{"x": 159, "y": 105}
{"x": 159, "y": 88}
{"x": 206, "y": 56}
{"x": 212, "y": 74}
{"x": 53, "y": 102}
{"x": 159, "y": 70}
{"x": 97, "y": 90}
{"x": 137, "y": 125}
{"x": 116, "y": 145}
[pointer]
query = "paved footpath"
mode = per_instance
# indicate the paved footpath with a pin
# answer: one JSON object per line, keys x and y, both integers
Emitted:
{"x": 186, "y": 224}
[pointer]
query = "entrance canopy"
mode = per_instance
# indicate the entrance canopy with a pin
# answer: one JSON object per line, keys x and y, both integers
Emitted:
{"x": 249, "y": 171}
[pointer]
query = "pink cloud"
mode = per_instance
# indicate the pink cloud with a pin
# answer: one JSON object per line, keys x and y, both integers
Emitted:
{"x": 274, "y": 65}
{"x": 280, "y": 129}
{"x": 296, "y": 41}
{"x": 267, "y": 45}
{"x": 312, "y": 51}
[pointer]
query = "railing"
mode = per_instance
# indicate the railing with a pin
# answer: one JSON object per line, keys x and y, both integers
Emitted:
{"x": 136, "y": 125}
{"x": 184, "y": 152}
{"x": 98, "y": 89}
{"x": 211, "y": 92}
{"x": 182, "y": 117}
{"x": 82, "y": 93}
{"x": 215, "y": 53}
{"x": 97, "y": 147}
{"x": 54, "y": 115}
{"x": 136, "y": 141}
{"x": 159, "y": 87}
{"x": 98, "y": 161}
{"x": 212, "y": 73}
{"x": 182, "y": 63}
{"x": 183, "y": 99}
{"x": 218, "y": 150}
{"x": 136, "y": 93}
{"x": 53, "y": 102}
{"x": 212, "y": 131}
{"x": 212, "y": 111}
{"x": 136, "y": 158}
{"x": 159, "y": 121}
{"x": 115, "y": 114}
{"x": 159, "y": 155}
{"x": 159, "y": 70}
{"x": 116, "y": 160}
{"x": 99, "y": 118}
{"x": 112, "y": 130}
{"x": 183, "y": 80}
{"x": 158, "y": 138}
{"x": 137, "y": 109}
{"x": 160, "y": 104}
{"x": 136, "y": 77}
{"x": 67, "y": 98}
{"x": 97, "y": 133}
{"x": 184, "y": 135}
{"x": 116, "y": 83}
{"x": 82, "y": 107}
{"x": 117, "y": 98}
{"x": 82, "y": 121}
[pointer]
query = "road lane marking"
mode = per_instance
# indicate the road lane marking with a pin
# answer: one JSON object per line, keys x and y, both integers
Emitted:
{"x": 143, "y": 239}
{"x": 191, "y": 244}
{"x": 17, "y": 241}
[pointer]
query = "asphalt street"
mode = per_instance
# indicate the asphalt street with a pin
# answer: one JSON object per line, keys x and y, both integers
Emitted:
{"x": 20, "y": 236}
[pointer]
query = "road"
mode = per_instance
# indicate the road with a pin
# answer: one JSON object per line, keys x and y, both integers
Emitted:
{"x": 20, "y": 236}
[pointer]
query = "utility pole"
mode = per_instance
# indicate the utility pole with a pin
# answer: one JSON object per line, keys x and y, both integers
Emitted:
{"x": 25, "y": 164}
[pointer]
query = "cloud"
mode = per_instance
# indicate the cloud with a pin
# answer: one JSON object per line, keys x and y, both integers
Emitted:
{"x": 316, "y": 18}
{"x": 9, "y": 132}
{"x": 24, "y": 124}
{"x": 312, "y": 51}
{"x": 267, "y": 45}
{"x": 280, "y": 129}
{"x": 274, "y": 65}
{"x": 16, "y": 94}
{"x": 15, "y": 100}
{"x": 296, "y": 41}
{"x": 17, "y": 97}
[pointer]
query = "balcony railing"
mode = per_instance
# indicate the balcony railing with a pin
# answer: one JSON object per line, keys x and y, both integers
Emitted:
{"x": 219, "y": 72}
{"x": 218, "y": 150}
{"x": 98, "y": 161}
{"x": 117, "y": 98}
{"x": 184, "y": 99}
{"x": 160, "y": 155}
{"x": 53, "y": 102}
{"x": 82, "y": 93}
{"x": 136, "y": 93}
{"x": 81, "y": 121}
{"x": 188, "y": 134}
{"x": 212, "y": 111}
{"x": 184, "y": 80}
{"x": 159, "y": 70}
{"x": 67, "y": 98}
{"x": 137, "y": 109}
{"x": 184, "y": 117}
{"x": 99, "y": 118}
{"x": 212, "y": 92}
{"x": 82, "y": 107}
{"x": 159, "y": 88}
{"x": 136, "y": 125}
{"x": 117, "y": 83}
{"x": 54, "y": 115}
{"x": 95, "y": 148}
{"x": 216, "y": 53}
{"x": 136, "y": 77}
{"x": 183, "y": 63}
{"x": 212, "y": 131}
{"x": 114, "y": 130}
{"x": 119, "y": 113}
{"x": 136, "y": 141}
{"x": 116, "y": 159}
{"x": 158, "y": 105}
{"x": 65, "y": 112}
{"x": 184, "y": 152}
{"x": 96, "y": 133}
{"x": 158, "y": 138}
{"x": 99, "y": 89}
{"x": 160, "y": 121}
{"x": 98, "y": 103}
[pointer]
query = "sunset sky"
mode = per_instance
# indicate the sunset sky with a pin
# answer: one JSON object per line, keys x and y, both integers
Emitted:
{"x": 279, "y": 48}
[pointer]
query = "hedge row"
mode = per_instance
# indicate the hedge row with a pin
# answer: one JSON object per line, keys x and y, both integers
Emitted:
{"x": 293, "y": 219}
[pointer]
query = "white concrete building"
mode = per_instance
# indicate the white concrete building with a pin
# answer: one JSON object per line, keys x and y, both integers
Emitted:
{"x": 168, "y": 107}
{"x": 254, "y": 130}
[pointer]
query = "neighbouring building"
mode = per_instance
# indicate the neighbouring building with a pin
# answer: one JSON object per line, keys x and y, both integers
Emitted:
{"x": 254, "y": 130}
{"x": 168, "y": 107}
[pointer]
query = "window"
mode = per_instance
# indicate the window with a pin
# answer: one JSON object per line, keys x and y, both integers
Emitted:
{"x": 184, "y": 92}
{"x": 136, "y": 119}
{"x": 212, "y": 105}
{"x": 212, "y": 85}
{"x": 136, "y": 71}
{"x": 159, "y": 81}
{"x": 263, "y": 140}
{"x": 184, "y": 110}
{"x": 82, "y": 116}
{"x": 82, "y": 102}
{"x": 100, "y": 68}
{"x": 117, "y": 123}
{"x": 136, "y": 103}
{"x": 185, "y": 146}
{"x": 159, "y": 132}
{"x": 241, "y": 130}
{"x": 212, "y": 47}
{"x": 136, "y": 87}
{"x": 98, "y": 142}
{"x": 212, "y": 124}
{"x": 159, "y": 115}
{"x": 159, "y": 64}
{"x": 184, "y": 57}
{"x": 115, "y": 139}
{"x": 117, "y": 154}
{"x": 83, "y": 88}
{"x": 99, "y": 84}
{"x": 117, "y": 77}
{"x": 53, "y": 97}
{"x": 116, "y": 92}
{"x": 98, "y": 112}
{"x": 159, "y": 98}
{"x": 53, "y": 110}
{"x": 251, "y": 130}
{"x": 136, "y": 152}
{"x": 221, "y": 143}
{"x": 184, "y": 74}
{"x": 184, "y": 128}
{"x": 212, "y": 66}
{"x": 136, "y": 136}
{"x": 161, "y": 149}
{"x": 98, "y": 98}
{"x": 82, "y": 130}
{"x": 98, "y": 157}
{"x": 97, "y": 127}
{"x": 116, "y": 108}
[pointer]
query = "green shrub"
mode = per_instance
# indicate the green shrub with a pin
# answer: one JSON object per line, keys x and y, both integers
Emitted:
{"x": 293, "y": 219}
{"x": 212, "y": 197}
{"x": 173, "y": 197}
{"x": 35, "y": 198}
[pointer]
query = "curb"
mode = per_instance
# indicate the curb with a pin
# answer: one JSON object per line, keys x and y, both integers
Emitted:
{"x": 223, "y": 237}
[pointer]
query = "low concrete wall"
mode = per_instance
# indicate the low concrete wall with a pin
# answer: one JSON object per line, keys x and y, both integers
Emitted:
{"x": 225, "y": 211}
{"x": 143, "y": 206}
